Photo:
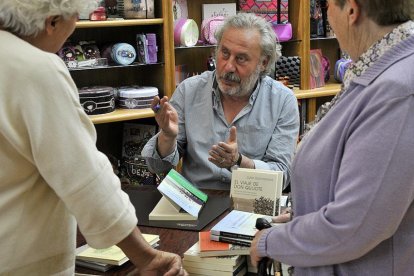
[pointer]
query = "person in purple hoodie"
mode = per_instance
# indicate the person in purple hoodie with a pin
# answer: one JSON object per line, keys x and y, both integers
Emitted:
{"x": 353, "y": 172}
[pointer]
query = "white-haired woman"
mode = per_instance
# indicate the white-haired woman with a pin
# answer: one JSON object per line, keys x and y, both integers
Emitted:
{"x": 52, "y": 176}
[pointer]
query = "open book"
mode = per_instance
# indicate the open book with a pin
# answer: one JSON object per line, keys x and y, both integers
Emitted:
{"x": 180, "y": 201}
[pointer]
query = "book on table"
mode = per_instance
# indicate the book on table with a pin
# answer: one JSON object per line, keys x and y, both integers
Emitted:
{"x": 235, "y": 241}
{"x": 193, "y": 255}
{"x": 106, "y": 258}
{"x": 211, "y": 247}
{"x": 238, "y": 224}
{"x": 257, "y": 191}
{"x": 222, "y": 265}
{"x": 181, "y": 200}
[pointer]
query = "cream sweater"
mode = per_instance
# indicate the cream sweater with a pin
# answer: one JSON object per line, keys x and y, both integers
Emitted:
{"x": 51, "y": 173}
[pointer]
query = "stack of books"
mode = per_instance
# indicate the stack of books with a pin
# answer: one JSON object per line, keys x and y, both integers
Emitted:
{"x": 237, "y": 227}
{"x": 196, "y": 265}
{"x": 107, "y": 258}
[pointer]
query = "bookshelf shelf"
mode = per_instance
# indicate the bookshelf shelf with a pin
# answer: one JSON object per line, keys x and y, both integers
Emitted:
{"x": 330, "y": 89}
{"x": 122, "y": 115}
{"x": 119, "y": 23}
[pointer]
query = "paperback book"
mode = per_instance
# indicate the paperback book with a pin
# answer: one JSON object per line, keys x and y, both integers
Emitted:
{"x": 210, "y": 248}
{"x": 238, "y": 224}
{"x": 193, "y": 255}
{"x": 256, "y": 191}
{"x": 101, "y": 258}
{"x": 182, "y": 195}
{"x": 242, "y": 242}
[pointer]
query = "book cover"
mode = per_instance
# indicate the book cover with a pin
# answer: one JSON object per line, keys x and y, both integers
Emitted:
{"x": 317, "y": 72}
{"x": 210, "y": 248}
{"x": 193, "y": 255}
{"x": 165, "y": 210}
{"x": 242, "y": 242}
{"x": 238, "y": 224}
{"x": 182, "y": 193}
{"x": 112, "y": 255}
{"x": 256, "y": 191}
{"x": 213, "y": 10}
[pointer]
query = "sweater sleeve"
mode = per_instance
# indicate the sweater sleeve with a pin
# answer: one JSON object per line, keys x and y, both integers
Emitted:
{"x": 62, "y": 146}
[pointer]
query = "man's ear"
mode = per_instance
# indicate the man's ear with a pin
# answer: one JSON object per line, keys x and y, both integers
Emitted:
{"x": 264, "y": 63}
{"x": 354, "y": 11}
{"x": 50, "y": 24}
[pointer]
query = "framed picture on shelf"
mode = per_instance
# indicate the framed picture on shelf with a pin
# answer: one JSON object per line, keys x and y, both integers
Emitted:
{"x": 213, "y": 10}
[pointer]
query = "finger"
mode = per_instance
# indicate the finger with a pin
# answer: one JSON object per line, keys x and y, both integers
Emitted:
{"x": 281, "y": 218}
{"x": 155, "y": 101}
{"x": 233, "y": 135}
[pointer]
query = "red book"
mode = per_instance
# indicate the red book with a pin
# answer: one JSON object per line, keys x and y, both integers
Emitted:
{"x": 209, "y": 248}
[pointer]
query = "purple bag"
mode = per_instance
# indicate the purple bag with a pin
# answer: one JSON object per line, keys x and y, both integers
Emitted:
{"x": 283, "y": 31}
{"x": 209, "y": 27}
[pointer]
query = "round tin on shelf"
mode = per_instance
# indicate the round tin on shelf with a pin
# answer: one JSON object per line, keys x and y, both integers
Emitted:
{"x": 97, "y": 99}
{"x": 136, "y": 97}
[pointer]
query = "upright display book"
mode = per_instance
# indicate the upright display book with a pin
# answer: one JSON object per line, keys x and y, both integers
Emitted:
{"x": 212, "y": 248}
{"x": 256, "y": 191}
{"x": 182, "y": 194}
{"x": 214, "y": 10}
{"x": 238, "y": 224}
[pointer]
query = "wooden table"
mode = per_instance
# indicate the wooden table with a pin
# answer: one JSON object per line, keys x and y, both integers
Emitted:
{"x": 171, "y": 240}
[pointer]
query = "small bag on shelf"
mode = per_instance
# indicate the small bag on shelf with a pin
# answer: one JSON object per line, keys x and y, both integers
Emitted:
{"x": 288, "y": 67}
{"x": 209, "y": 27}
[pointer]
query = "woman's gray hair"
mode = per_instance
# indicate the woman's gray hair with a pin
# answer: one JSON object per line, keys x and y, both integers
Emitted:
{"x": 27, "y": 17}
{"x": 269, "y": 42}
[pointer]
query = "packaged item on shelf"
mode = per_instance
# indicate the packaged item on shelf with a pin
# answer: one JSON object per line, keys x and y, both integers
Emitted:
{"x": 209, "y": 27}
{"x": 136, "y": 97}
{"x": 152, "y": 47}
{"x": 341, "y": 66}
{"x": 185, "y": 32}
{"x": 98, "y": 15}
{"x": 90, "y": 50}
{"x": 97, "y": 99}
{"x": 271, "y": 10}
{"x": 142, "y": 49}
{"x": 317, "y": 71}
{"x": 67, "y": 52}
{"x": 136, "y": 9}
{"x": 180, "y": 9}
{"x": 123, "y": 53}
{"x": 288, "y": 66}
{"x": 283, "y": 31}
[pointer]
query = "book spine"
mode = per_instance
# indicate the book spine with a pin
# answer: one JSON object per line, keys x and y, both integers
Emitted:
{"x": 231, "y": 235}
{"x": 230, "y": 240}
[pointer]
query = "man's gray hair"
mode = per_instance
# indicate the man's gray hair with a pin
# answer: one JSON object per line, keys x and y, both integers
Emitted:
{"x": 27, "y": 17}
{"x": 269, "y": 42}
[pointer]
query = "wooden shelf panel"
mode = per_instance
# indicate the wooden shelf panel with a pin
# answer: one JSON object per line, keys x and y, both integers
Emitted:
{"x": 119, "y": 23}
{"x": 330, "y": 89}
{"x": 122, "y": 115}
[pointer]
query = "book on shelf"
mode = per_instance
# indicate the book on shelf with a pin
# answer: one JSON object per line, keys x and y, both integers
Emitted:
{"x": 256, "y": 191}
{"x": 238, "y": 224}
{"x": 210, "y": 248}
{"x": 193, "y": 255}
{"x": 112, "y": 255}
{"x": 183, "y": 197}
{"x": 242, "y": 242}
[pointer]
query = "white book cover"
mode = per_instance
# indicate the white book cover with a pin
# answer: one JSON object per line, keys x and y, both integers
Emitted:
{"x": 182, "y": 193}
{"x": 225, "y": 10}
{"x": 166, "y": 210}
{"x": 257, "y": 191}
{"x": 238, "y": 224}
